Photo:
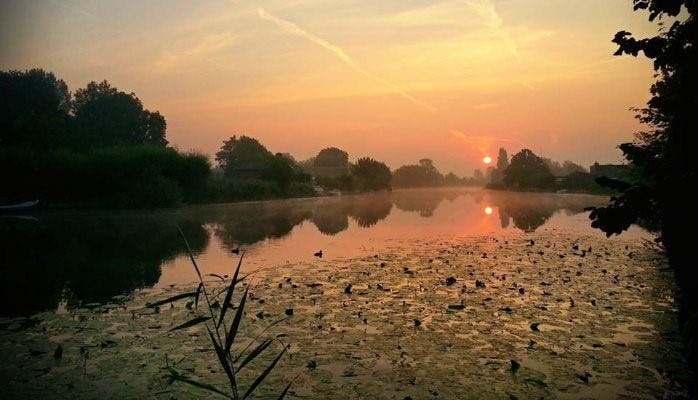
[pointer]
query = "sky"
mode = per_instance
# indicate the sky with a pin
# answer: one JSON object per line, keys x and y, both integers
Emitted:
{"x": 450, "y": 80}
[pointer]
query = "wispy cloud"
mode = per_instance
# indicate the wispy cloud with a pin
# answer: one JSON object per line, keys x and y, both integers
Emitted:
{"x": 201, "y": 50}
{"x": 491, "y": 19}
{"x": 484, "y": 143}
{"x": 338, "y": 52}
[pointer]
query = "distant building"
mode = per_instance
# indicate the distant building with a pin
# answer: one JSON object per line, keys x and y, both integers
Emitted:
{"x": 614, "y": 171}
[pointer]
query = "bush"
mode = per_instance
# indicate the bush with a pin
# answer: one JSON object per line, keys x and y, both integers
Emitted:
{"x": 119, "y": 177}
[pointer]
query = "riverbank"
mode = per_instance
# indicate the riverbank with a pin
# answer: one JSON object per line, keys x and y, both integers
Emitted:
{"x": 584, "y": 317}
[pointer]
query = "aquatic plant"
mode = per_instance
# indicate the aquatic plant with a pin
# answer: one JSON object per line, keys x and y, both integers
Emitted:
{"x": 223, "y": 333}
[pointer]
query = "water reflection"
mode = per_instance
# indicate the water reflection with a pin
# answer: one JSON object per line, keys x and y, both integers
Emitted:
{"x": 80, "y": 258}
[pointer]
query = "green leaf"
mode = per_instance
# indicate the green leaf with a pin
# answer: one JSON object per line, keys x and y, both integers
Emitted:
{"x": 264, "y": 374}
{"x": 231, "y": 289}
{"x": 254, "y": 353}
{"x": 283, "y": 394}
{"x": 190, "y": 323}
{"x": 198, "y": 292}
{"x": 236, "y": 323}
{"x": 224, "y": 361}
{"x": 175, "y": 376}
{"x": 533, "y": 382}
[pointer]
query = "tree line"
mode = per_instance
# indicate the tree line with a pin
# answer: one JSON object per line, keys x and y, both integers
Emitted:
{"x": 99, "y": 146}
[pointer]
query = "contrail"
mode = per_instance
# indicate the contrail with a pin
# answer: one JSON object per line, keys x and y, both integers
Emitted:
{"x": 485, "y": 9}
{"x": 294, "y": 29}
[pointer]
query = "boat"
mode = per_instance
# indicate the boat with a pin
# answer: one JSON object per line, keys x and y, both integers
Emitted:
{"x": 27, "y": 205}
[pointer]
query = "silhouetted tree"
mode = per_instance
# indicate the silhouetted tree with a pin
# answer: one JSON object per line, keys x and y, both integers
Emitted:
{"x": 564, "y": 169}
{"x": 664, "y": 155}
{"x": 478, "y": 176}
{"x": 371, "y": 174}
{"x": 34, "y": 108}
{"x": 422, "y": 175}
{"x": 239, "y": 156}
{"x": 105, "y": 116}
{"x": 332, "y": 162}
{"x": 527, "y": 171}
{"x": 502, "y": 159}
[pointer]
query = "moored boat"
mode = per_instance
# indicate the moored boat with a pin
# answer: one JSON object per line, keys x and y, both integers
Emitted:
{"x": 27, "y": 205}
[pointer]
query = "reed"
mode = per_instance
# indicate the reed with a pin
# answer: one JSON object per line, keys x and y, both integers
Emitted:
{"x": 222, "y": 320}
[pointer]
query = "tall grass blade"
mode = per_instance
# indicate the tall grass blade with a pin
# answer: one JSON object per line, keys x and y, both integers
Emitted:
{"x": 254, "y": 353}
{"x": 264, "y": 374}
{"x": 171, "y": 299}
{"x": 190, "y": 323}
{"x": 198, "y": 292}
{"x": 174, "y": 376}
{"x": 283, "y": 394}
{"x": 224, "y": 362}
{"x": 257, "y": 337}
{"x": 231, "y": 289}
{"x": 216, "y": 276}
{"x": 190, "y": 253}
{"x": 236, "y": 322}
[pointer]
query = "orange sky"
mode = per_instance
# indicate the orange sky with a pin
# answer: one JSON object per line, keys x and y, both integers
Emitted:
{"x": 395, "y": 80}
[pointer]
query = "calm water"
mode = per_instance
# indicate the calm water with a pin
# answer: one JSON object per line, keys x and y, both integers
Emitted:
{"x": 56, "y": 258}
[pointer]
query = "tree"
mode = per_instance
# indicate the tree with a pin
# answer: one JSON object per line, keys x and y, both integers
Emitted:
{"x": 664, "y": 155}
{"x": 424, "y": 174}
{"x": 527, "y": 171}
{"x": 332, "y": 157}
{"x": 34, "y": 107}
{"x": 502, "y": 160}
{"x": 242, "y": 155}
{"x": 478, "y": 176}
{"x": 371, "y": 174}
{"x": 106, "y": 116}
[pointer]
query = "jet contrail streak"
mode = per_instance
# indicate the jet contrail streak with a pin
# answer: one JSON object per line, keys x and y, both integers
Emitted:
{"x": 294, "y": 29}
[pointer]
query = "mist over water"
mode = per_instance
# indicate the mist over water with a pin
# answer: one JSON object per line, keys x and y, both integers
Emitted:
{"x": 75, "y": 258}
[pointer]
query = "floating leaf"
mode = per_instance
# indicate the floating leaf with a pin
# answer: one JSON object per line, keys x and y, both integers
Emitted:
{"x": 515, "y": 366}
{"x": 536, "y": 383}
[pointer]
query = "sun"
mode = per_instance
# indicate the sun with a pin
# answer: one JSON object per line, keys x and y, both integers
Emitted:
{"x": 487, "y": 159}
{"x": 488, "y": 210}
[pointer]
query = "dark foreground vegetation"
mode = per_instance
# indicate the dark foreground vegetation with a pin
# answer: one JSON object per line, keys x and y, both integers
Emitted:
{"x": 663, "y": 154}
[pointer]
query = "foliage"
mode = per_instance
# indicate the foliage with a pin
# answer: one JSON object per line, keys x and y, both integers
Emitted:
{"x": 251, "y": 172}
{"x": 371, "y": 174}
{"x": 122, "y": 177}
{"x": 502, "y": 159}
{"x": 527, "y": 171}
{"x": 223, "y": 333}
{"x": 332, "y": 157}
{"x": 244, "y": 155}
{"x": 105, "y": 116}
{"x": 567, "y": 167}
{"x": 34, "y": 108}
{"x": 663, "y": 155}
{"x": 421, "y": 175}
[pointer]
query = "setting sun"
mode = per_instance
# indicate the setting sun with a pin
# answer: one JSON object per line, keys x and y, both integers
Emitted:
{"x": 488, "y": 210}
{"x": 487, "y": 159}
